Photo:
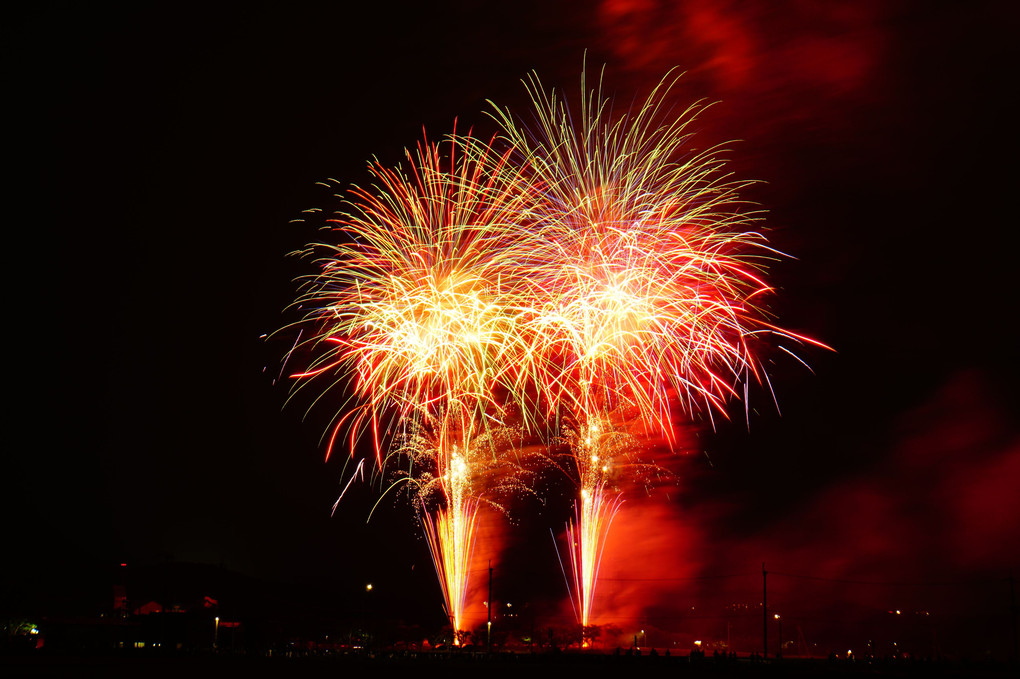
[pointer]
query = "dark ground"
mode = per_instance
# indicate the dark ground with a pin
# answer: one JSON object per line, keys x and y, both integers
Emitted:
{"x": 593, "y": 667}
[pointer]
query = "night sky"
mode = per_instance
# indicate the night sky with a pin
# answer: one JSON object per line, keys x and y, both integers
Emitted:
{"x": 160, "y": 155}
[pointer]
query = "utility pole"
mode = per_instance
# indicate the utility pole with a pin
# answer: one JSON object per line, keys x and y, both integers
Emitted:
{"x": 764, "y": 613}
{"x": 531, "y": 643}
{"x": 1012, "y": 615}
{"x": 488, "y": 629}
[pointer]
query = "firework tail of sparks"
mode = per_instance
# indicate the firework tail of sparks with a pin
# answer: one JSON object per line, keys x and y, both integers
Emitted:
{"x": 451, "y": 540}
{"x": 457, "y": 467}
{"x": 441, "y": 472}
{"x": 599, "y": 451}
{"x": 586, "y": 540}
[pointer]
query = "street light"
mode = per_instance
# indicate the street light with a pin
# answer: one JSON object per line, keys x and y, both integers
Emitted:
{"x": 216, "y": 633}
{"x": 779, "y": 653}
{"x": 367, "y": 632}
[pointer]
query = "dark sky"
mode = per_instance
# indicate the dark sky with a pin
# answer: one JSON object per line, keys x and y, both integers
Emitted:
{"x": 160, "y": 154}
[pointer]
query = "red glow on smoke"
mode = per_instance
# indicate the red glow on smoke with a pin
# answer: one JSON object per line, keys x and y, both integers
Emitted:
{"x": 491, "y": 532}
{"x": 651, "y": 552}
{"x": 936, "y": 504}
{"x": 939, "y": 506}
{"x": 755, "y": 56}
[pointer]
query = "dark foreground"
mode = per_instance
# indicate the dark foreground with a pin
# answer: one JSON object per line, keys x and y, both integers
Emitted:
{"x": 481, "y": 667}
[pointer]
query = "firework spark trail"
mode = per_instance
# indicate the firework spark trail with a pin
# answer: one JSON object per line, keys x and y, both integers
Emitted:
{"x": 599, "y": 451}
{"x": 586, "y": 537}
{"x": 451, "y": 536}
{"x": 647, "y": 287}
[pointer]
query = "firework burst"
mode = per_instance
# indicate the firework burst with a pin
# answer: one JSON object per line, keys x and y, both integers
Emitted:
{"x": 647, "y": 286}
{"x": 416, "y": 297}
{"x": 414, "y": 309}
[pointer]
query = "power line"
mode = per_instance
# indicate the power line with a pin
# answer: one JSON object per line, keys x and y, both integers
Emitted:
{"x": 690, "y": 579}
{"x": 891, "y": 583}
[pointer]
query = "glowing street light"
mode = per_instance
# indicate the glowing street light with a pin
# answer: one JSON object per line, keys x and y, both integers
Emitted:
{"x": 779, "y": 653}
